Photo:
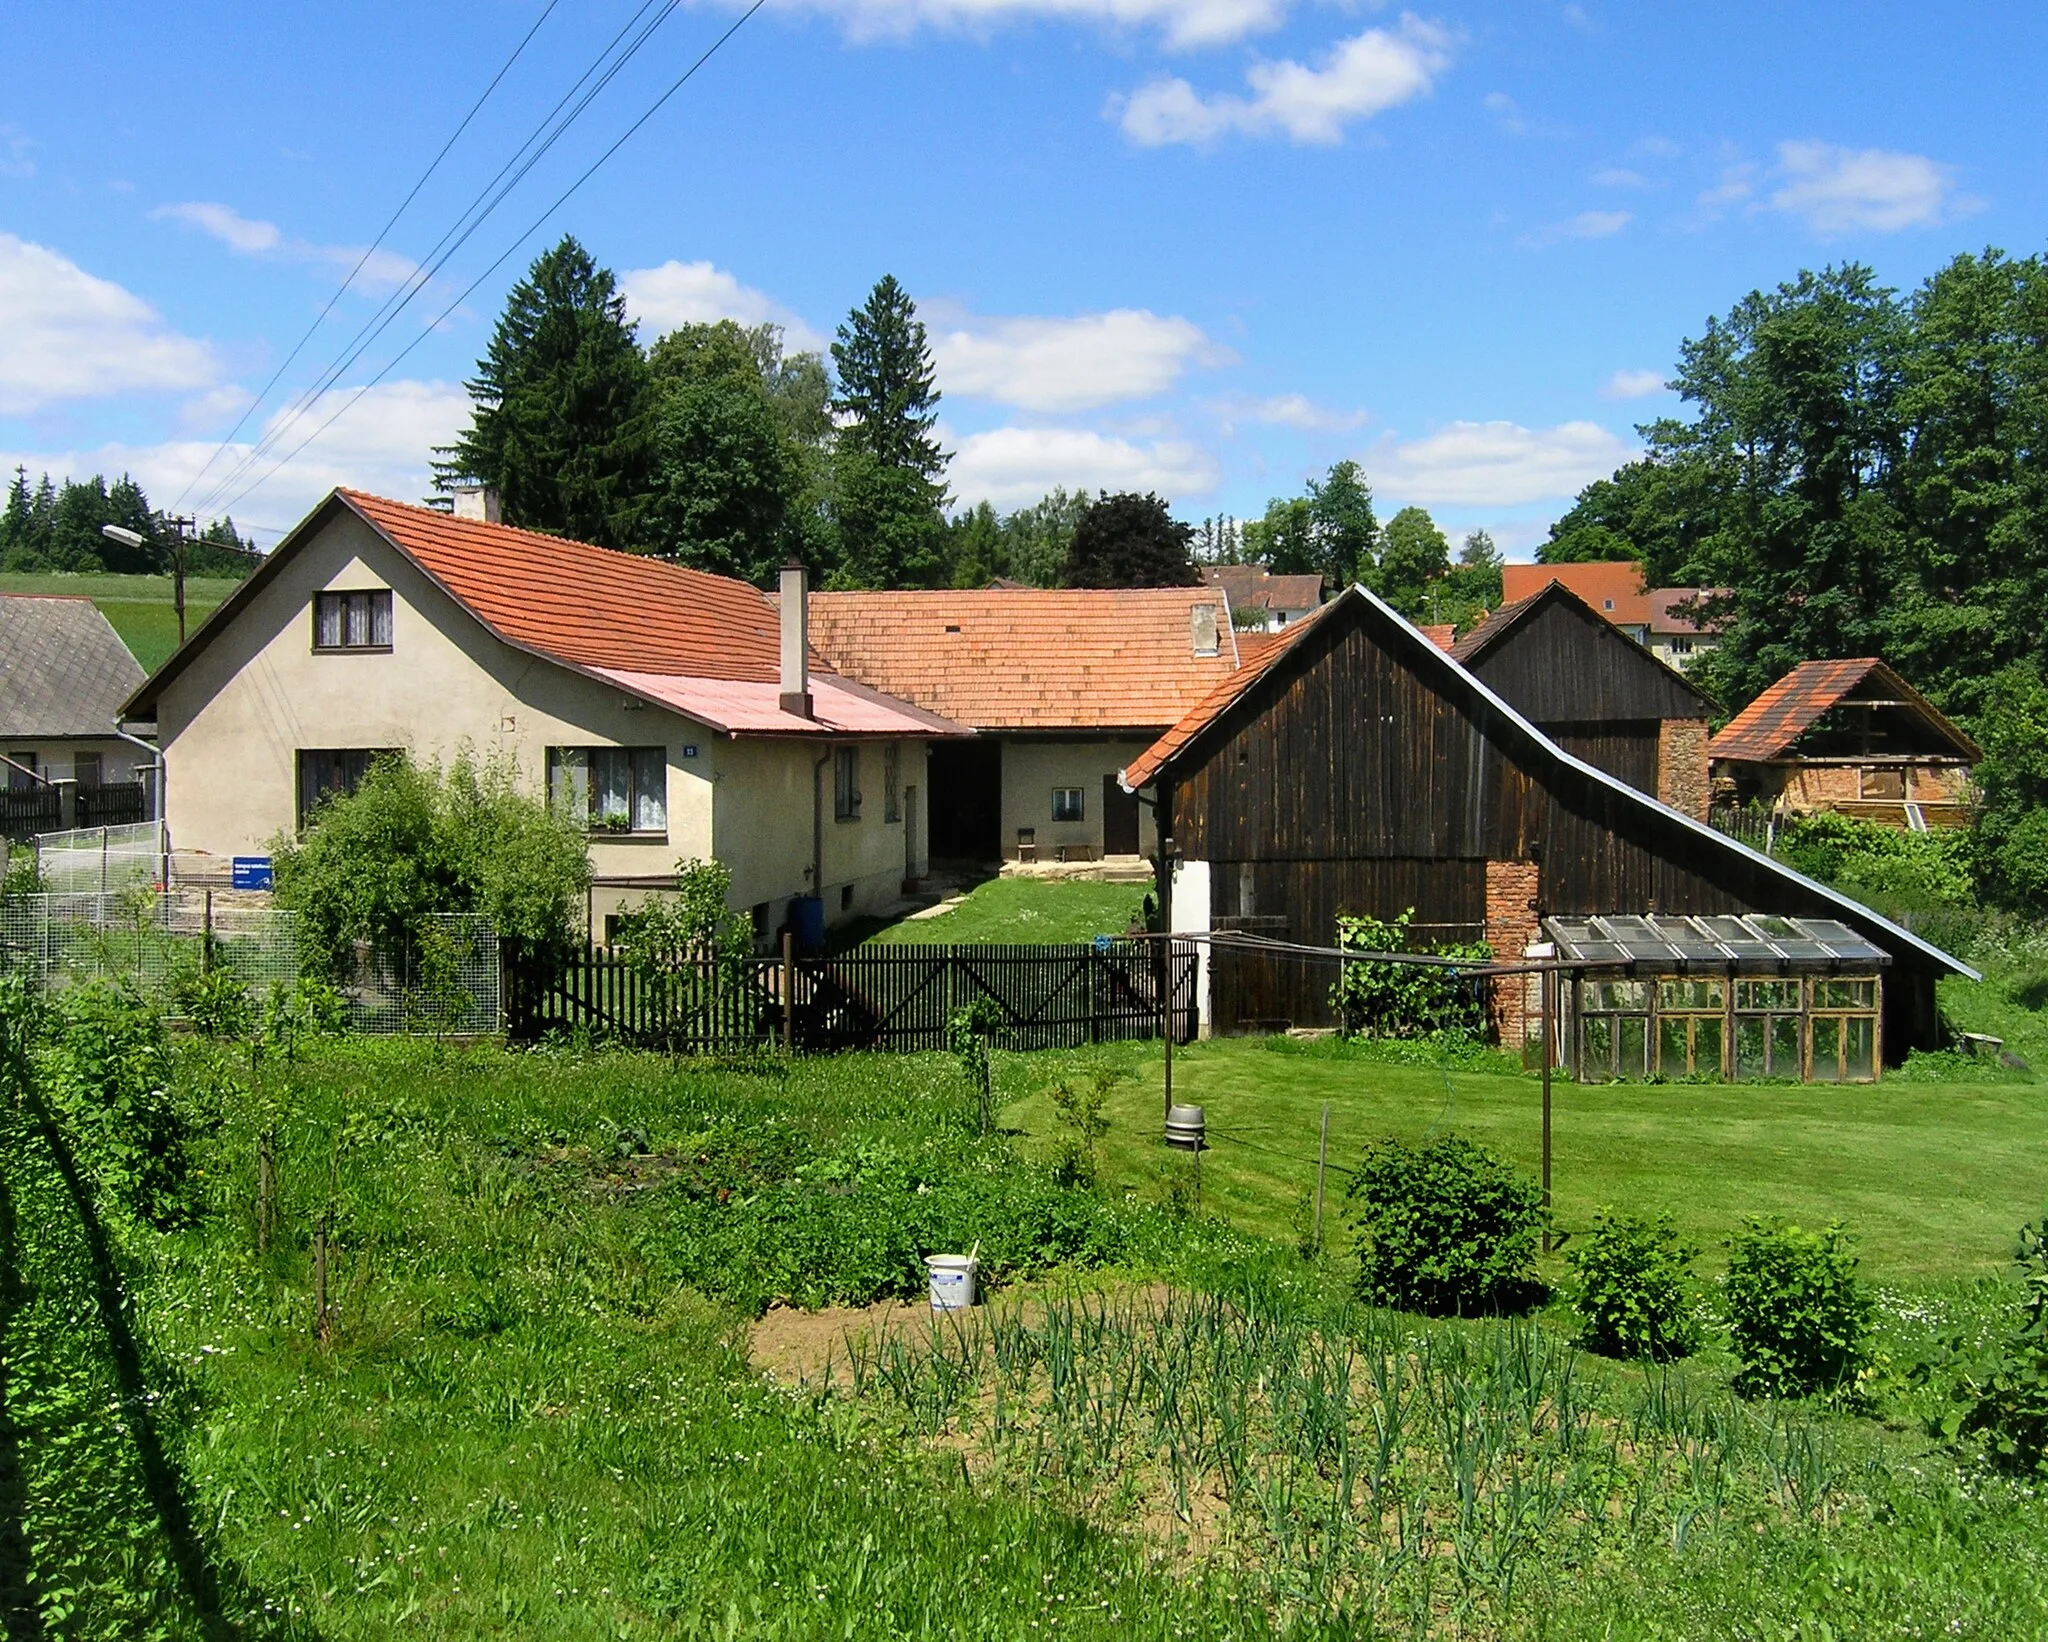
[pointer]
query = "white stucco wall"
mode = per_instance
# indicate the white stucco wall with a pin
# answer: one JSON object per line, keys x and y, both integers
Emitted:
{"x": 1031, "y": 769}
{"x": 1190, "y": 916}
{"x": 57, "y": 760}
{"x": 231, "y": 725}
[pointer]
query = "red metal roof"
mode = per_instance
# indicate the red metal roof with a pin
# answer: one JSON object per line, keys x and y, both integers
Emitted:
{"x": 1031, "y": 658}
{"x": 1770, "y": 726}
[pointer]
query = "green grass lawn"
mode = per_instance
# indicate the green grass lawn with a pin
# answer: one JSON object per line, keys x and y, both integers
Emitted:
{"x": 1934, "y": 1178}
{"x": 1024, "y": 909}
{"x": 141, "y": 608}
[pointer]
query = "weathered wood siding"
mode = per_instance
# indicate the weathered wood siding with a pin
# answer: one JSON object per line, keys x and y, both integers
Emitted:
{"x": 1562, "y": 663}
{"x": 1627, "y": 751}
{"x": 1357, "y": 777}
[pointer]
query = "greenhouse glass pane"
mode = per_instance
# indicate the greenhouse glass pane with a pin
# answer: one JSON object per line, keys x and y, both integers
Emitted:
{"x": 1749, "y": 1046}
{"x": 1859, "y": 1036}
{"x": 1785, "y": 1046}
{"x": 1706, "y": 1047}
{"x": 1827, "y": 1049}
{"x": 1599, "y": 1046}
{"x": 1632, "y": 1045}
{"x": 1671, "y": 1047}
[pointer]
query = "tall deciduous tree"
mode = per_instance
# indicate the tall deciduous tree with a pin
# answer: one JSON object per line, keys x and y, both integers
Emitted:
{"x": 1343, "y": 527}
{"x": 1414, "y": 554}
{"x": 1128, "y": 540}
{"x": 563, "y": 425}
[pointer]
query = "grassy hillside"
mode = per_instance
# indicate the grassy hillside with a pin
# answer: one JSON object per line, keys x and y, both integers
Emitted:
{"x": 141, "y": 608}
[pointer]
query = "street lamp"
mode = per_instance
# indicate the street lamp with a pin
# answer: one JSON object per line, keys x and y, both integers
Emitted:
{"x": 135, "y": 538}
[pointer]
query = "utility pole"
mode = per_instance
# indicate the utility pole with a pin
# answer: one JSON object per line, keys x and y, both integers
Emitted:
{"x": 135, "y": 538}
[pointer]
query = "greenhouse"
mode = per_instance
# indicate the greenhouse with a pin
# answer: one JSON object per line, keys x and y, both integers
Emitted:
{"x": 1720, "y": 997}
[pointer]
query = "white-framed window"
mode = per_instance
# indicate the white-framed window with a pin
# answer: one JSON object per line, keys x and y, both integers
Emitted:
{"x": 892, "y": 793}
{"x": 611, "y": 789}
{"x": 1070, "y": 803}
{"x": 846, "y": 784}
{"x": 352, "y": 621}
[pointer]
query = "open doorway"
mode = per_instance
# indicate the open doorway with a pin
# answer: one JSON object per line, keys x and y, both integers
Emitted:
{"x": 964, "y": 787}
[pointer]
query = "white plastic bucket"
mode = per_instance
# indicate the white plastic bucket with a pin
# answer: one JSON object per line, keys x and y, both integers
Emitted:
{"x": 951, "y": 1280}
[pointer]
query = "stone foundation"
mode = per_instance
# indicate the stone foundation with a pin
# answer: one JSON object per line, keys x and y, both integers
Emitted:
{"x": 1511, "y": 924}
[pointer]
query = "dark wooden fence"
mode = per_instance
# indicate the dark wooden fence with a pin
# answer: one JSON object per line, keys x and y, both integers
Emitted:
{"x": 118, "y": 804}
{"x": 26, "y": 811}
{"x": 881, "y": 997}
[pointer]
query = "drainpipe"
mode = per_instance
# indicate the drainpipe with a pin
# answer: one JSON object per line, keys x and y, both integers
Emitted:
{"x": 163, "y": 821}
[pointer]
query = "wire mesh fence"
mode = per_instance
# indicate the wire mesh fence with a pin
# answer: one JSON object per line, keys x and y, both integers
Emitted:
{"x": 100, "y": 860}
{"x": 157, "y": 941}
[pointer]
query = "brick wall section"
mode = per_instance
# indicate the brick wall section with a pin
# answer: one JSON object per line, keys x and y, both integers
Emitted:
{"x": 1682, "y": 765}
{"x": 1511, "y": 888}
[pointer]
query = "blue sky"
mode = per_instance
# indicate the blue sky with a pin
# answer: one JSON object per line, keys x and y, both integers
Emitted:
{"x": 1202, "y": 246}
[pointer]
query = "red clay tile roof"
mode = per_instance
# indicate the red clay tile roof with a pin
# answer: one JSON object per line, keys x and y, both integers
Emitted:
{"x": 1442, "y": 634}
{"x": 1213, "y": 705}
{"x": 1770, "y": 726}
{"x": 1614, "y": 588}
{"x": 1030, "y": 659}
{"x": 587, "y": 605}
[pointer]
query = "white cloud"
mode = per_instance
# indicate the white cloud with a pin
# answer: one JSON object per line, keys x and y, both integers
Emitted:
{"x": 1839, "y": 190}
{"x": 69, "y": 335}
{"x": 697, "y": 293}
{"x": 1184, "y": 23}
{"x": 1616, "y": 176}
{"x": 1632, "y": 384}
{"x": 252, "y": 237}
{"x": 1361, "y": 77}
{"x": 1009, "y": 467}
{"x": 1494, "y": 464}
{"x": 1290, "y": 410}
{"x": 1586, "y": 225}
{"x": 1049, "y": 364}
{"x": 383, "y": 444}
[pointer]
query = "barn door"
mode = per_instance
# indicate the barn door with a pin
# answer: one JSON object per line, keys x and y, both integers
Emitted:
{"x": 1119, "y": 818}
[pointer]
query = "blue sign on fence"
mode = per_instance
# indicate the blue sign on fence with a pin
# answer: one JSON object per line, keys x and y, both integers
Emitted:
{"x": 251, "y": 872}
{"x": 1102, "y": 943}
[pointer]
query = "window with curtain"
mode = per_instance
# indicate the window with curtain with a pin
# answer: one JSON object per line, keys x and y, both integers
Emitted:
{"x": 611, "y": 789}
{"x": 352, "y": 621}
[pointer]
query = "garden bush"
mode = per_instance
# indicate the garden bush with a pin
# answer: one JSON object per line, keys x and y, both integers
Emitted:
{"x": 1799, "y": 1315}
{"x": 1998, "y": 1390}
{"x": 1444, "y": 1228}
{"x": 109, "y": 1080}
{"x": 1635, "y": 1293}
{"x": 1395, "y": 1000}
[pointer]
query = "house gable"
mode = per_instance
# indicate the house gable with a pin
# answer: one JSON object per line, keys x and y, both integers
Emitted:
{"x": 1556, "y": 660}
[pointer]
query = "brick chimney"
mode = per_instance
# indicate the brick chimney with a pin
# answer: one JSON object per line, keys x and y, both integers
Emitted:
{"x": 796, "y": 641}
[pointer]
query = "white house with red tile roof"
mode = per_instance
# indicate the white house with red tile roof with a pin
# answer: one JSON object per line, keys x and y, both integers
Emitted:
{"x": 679, "y": 712}
{"x": 1063, "y": 686}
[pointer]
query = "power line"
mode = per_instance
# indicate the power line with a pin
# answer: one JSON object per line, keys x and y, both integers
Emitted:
{"x": 369, "y": 251}
{"x": 688, "y": 74}
{"x": 525, "y": 157}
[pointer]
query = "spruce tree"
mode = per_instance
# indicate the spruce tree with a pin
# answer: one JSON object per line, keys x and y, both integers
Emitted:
{"x": 563, "y": 424}
{"x": 886, "y": 384}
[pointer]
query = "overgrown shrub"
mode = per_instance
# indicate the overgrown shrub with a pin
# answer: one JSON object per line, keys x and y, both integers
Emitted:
{"x": 1635, "y": 1287}
{"x": 1999, "y": 1390}
{"x": 415, "y": 840}
{"x": 1902, "y": 871}
{"x": 968, "y": 1030}
{"x": 110, "y": 1083}
{"x": 1077, "y": 1109}
{"x": 1444, "y": 1228}
{"x": 214, "y": 1000}
{"x": 686, "y": 947}
{"x": 1397, "y": 1000}
{"x": 1798, "y": 1313}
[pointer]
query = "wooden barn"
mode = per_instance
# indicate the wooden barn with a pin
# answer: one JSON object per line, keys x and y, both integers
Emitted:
{"x": 1355, "y": 767}
{"x": 1596, "y": 692}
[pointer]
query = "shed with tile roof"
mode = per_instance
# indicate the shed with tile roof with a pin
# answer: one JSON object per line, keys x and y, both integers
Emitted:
{"x": 1356, "y": 768}
{"x": 651, "y": 697}
{"x": 1064, "y": 687}
{"x": 1850, "y": 736}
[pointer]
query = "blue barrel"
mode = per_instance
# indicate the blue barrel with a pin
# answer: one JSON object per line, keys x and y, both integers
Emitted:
{"x": 807, "y": 923}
